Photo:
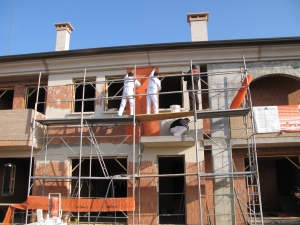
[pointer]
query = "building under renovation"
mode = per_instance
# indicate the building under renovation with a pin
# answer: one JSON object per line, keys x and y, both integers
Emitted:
{"x": 65, "y": 152}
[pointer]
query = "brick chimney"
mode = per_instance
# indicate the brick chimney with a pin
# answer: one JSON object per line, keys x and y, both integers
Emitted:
{"x": 63, "y": 36}
{"x": 198, "y": 24}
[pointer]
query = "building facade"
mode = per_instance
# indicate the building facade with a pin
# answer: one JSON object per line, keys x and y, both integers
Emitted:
{"x": 60, "y": 132}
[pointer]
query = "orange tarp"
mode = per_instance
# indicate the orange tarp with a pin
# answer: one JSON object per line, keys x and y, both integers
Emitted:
{"x": 75, "y": 205}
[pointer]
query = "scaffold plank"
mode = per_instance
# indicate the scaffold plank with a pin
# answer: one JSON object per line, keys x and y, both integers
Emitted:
{"x": 222, "y": 113}
{"x": 163, "y": 116}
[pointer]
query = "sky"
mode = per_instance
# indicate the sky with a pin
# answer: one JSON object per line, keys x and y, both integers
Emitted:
{"x": 27, "y": 26}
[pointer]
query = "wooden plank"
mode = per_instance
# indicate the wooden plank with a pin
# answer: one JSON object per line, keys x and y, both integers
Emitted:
{"x": 163, "y": 116}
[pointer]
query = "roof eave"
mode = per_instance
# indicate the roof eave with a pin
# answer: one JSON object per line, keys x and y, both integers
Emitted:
{"x": 152, "y": 47}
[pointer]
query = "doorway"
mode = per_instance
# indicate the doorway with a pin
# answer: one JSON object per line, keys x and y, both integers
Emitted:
{"x": 171, "y": 193}
{"x": 278, "y": 176}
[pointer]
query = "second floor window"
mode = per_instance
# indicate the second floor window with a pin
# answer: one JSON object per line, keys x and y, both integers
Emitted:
{"x": 89, "y": 93}
{"x": 170, "y": 82}
{"x": 31, "y": 93}
{"x": 114, "y": 89}
{"x": 6, "y": 98}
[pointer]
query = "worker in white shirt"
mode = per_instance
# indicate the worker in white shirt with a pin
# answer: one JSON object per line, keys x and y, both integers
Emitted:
{"x": 128, "y": 91}
{"x": 154, "y": 86}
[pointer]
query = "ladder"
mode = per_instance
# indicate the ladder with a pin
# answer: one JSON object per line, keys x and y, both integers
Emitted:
{"x": 76, "y": 189}
{"x": 253, "y": 198}
{"x": 98, "y": 151}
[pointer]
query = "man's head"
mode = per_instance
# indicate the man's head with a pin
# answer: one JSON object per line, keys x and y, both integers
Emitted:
{"x": 130, "y": 74}
{"x": 187, "y": 120}
{"x": 194, "y": 67}
{"x": 296, "y": 189}
{"x": 155, "y": 74}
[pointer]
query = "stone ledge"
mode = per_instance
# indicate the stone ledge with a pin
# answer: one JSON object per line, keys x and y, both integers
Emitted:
{"x": 168, "y": 141}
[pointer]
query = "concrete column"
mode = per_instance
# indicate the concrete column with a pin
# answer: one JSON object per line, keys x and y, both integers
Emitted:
{"x": 198, "y": 24}
{"x": 63, "y": 36}
{"x": 221, "y": 154}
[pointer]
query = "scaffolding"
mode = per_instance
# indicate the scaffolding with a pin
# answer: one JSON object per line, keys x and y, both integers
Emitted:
{"x": 81, "y": 137}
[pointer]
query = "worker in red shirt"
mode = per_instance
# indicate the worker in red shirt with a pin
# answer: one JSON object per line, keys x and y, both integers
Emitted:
{"x": 192, "y": 78}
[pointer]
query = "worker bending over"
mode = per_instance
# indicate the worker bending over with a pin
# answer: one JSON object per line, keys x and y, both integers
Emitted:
{"x": 180, "y": 126}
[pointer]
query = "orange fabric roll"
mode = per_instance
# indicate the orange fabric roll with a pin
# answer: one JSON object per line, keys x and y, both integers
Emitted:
{"x": 239, "y": 98}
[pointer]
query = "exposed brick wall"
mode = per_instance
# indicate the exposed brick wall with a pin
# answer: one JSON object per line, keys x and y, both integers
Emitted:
{"x": 60, "y": 98}
{"x": 192, "y": 195}
{"x": 275, "y": 90}
{"x": 19, "y": 97}
{"x": 209, "y": 189}
{"x": 72, "y": 135}
{"x": 148, "y": 195}
{"x": 241, "y": 195}
{"x": 53, "y": 168}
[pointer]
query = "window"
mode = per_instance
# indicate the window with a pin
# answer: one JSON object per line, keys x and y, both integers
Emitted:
{"x": 31, "y": 93}
{"x": 170, "y": 84}
{"x": 114, "y": 88}
{"x": 6, "y": 98}
{"x": 8, "y": 185}
{"x": 89, "y": 93}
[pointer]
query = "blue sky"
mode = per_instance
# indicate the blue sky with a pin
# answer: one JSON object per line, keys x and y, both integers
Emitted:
{"x": 27, "y": 26}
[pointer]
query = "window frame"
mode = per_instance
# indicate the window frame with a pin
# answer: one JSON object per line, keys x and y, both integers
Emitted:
{"x": 77, "y": 82}
{"x": 9, "y": 181}
{"x": 3, "y": 93}
{"x": 120, "y": 82}
{"x": 41, "y": 104}
{"x": 116, "y": 80}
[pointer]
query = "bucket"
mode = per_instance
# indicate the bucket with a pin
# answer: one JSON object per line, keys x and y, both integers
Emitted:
{"x": 175, "y": 108}
{"x": 54, "y": 207}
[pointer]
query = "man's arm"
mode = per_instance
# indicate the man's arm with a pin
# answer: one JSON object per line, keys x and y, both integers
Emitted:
{"x": 137, "y": 83}
{"x": 158, "y": 84}
{"x": 152, "y": 72}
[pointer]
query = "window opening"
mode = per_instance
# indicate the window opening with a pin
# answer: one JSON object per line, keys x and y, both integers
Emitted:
{"x": 204, "y": 85}
{"x": 95, "y": 188}
{"x": 89, "y": 92}
{"x": 9, "y": 175}
{"x": 31, "y": 93}
{"x": 114, "y": 89}
{"x": 6, "y": 98}
{"x": 171, "y": 191}
{"x": 170, "y": 84}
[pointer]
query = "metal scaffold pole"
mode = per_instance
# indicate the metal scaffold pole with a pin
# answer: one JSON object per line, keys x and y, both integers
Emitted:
{"x": 196, "y": 141}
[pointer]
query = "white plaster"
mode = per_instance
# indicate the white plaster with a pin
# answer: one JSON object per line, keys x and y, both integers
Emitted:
{"x": 199, "y": 31}
{"x": 151, "y": 154}
{"x": 57, "y": 113}
{"x": 165, "y": 58}
{"x": 62, "y": 40}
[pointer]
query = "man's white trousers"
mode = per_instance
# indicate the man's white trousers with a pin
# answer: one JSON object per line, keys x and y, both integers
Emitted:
{"x": 152, "y": 98}
{"x": 178, "y": 130}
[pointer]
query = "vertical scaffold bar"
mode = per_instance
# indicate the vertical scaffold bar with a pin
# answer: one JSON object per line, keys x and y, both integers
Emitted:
{"x": 133, "y": 140}
{"x": 254, "y": 148}
{"x": 196, "y": 144}
{"x": 33, "y": 142}
{"x": 81, "y": 136}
